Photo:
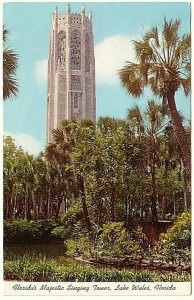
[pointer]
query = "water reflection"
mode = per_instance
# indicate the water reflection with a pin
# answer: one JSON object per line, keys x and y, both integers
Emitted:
{"x": 56, "y": 251}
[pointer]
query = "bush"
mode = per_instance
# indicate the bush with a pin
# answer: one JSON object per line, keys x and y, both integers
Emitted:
{"x": 176, "y": 243}
{"x": 115, "y": 241}
{"x": 60, "y": 233}
{"x": 79, "y": 246}
{"x": 22, "y": 231}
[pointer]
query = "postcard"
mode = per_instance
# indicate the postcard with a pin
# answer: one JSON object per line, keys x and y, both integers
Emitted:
{"x": 96, "y": 148}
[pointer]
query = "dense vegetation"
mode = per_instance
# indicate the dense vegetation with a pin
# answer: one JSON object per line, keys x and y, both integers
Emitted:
{"x": 117, "y": 171}
{"x": 20, "y": 231}
{"x": 42, "y": 269}
{"x": 110, "y": 176}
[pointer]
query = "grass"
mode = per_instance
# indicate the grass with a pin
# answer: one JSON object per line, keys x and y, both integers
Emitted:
{"x": 40, "y": 268}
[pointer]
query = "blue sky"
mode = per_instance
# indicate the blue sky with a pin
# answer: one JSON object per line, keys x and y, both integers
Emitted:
{"x": 115, "y": 24}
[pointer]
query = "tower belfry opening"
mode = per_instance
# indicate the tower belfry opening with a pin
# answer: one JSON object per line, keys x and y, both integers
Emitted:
{"x": 71, "y": 69}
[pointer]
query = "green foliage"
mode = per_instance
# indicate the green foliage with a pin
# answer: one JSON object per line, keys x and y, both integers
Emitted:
{"x": 60, "y": 233}
{"x": 43, "y": 269}
{"x": 115, "y": 241}
{"x": 72, "y": 221}
{"x": 176, "y": 243}
{"x": 22, "y": 231}
{"x": 79, "y": 247}
{"x": 114, "y": 173}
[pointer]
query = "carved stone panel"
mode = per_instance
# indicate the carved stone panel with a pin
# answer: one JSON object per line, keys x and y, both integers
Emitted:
{"x": 75, "y": 51}
{"x": 75, "y": 20}
{"x": 76, "y": 102}
{"x": 75, "y": 83}
{"x": 62, "y": 50}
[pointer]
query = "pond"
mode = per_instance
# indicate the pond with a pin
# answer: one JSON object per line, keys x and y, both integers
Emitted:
{"x": 57, "y": 251}
{"x": 53, "y": 250}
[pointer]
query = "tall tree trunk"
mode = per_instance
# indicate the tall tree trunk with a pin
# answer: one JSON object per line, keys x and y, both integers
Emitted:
{"x": 35, "y": 208}
{"x": 185, "y": 186}
{"x": 26, "y": 207}
{"x": 84, "y": 205}
{"x": 153, "y": 194}
{"x": 180, "y": 131}
{"x": 183, "y": 144}
{"x": 112, "y": 204}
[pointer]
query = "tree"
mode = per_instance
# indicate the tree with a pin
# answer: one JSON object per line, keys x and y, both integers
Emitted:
{"x": 10, "y": 64}
{"x": 59, "y": 152}
{"x": 151, "y": 124}
{"x": 164, "y": 65}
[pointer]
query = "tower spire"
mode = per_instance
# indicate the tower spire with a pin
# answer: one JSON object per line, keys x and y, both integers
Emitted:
{"x": 68, "y": 8}
{"x": 83, "y": 10}
{"x": 90, "y": 16}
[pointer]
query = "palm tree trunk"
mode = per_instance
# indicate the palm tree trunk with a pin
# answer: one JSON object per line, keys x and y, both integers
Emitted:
{"x": 180, "y": 131}
{"x": 184, "y": 145}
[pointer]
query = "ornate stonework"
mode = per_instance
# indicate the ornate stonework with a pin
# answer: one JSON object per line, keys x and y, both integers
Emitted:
{"x": 71, "y": 69}
{"x": 75, "y": 51}
{"x": 62, "y": 50}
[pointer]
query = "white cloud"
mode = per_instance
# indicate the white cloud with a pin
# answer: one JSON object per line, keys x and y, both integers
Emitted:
{"x": 110, "y": 56}
{"x": 27, "y": 142}
{"x": 41, "y": 70}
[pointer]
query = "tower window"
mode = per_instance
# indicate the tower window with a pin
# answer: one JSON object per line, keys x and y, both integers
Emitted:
{"x": 62, "y": 50}
{"x": 76, "y": 101}
{"x": 76, "y": 83}
{"x": 75, "y": 51}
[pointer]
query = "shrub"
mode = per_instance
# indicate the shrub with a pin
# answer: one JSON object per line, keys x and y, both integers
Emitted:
{"x": 79, "y": 246}
{"x": 115, "y": 241}
{"x": 22, "y": 231}
{"x": 60, "y": 233}
{"x": 73, "y": 220}
{"x": 176, "y": 243}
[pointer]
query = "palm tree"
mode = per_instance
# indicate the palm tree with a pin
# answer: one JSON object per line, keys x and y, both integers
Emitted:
{"x": 71, "y": 182}
{"x": 163, "y": 64}
{"x": 151, "y": 123}
{"x": 10, "y": 64}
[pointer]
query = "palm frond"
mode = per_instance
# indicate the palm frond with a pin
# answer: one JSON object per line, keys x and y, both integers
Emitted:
{"x": 170, "y": 32}
{"x": 131, "y": 79}
{"x": 164, "y": 62}
{"x": 144, "y": 53}
{"x": 10, "y": 65}
{"x": 152, "y": 34}
{"x": 5, "y": 34}
{"x": 186, "y": 84}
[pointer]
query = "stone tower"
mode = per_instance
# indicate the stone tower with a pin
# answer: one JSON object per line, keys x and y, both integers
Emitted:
{"x": 71, "y": 69}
